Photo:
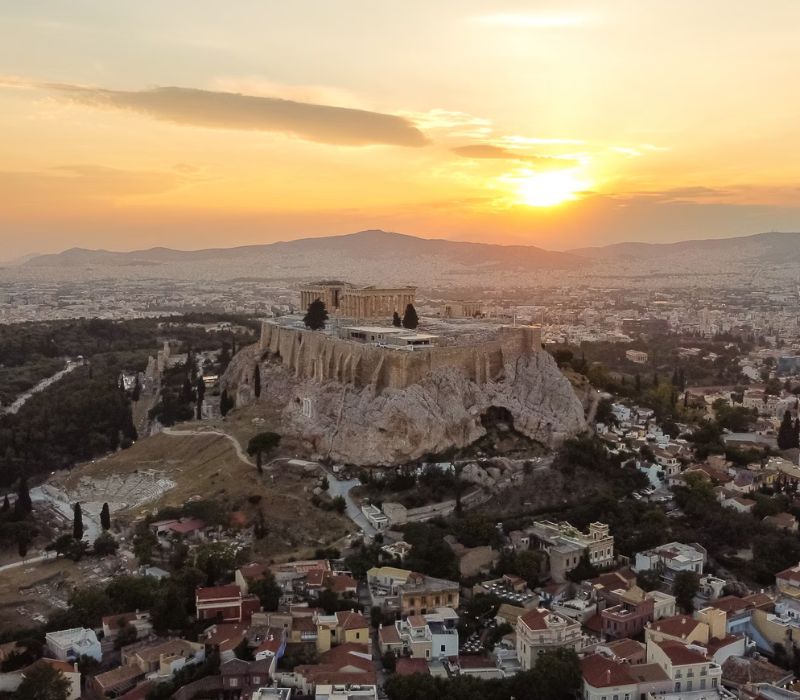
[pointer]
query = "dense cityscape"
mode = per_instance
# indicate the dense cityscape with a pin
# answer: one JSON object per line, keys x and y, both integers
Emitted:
{"x": 399, "y": 350}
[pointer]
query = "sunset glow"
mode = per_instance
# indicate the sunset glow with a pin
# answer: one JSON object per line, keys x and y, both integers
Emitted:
{"x": 213, "y": 129}
{"x": 550, "y": 189}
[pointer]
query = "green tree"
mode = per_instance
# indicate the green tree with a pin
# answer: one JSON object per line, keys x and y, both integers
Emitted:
{"x": 90, "y": 604}
{"x": 61, "y": 545}
{"x": 105, "y": 517}
{"x": 648, "y": 580}
{"x": 43, "y": 682}
{"x": 217, "y": 560}
{"x": 126, "y": 634}
{"x": 262, "y": 445}
{"x": 77, "y": 522}
{"x": 257, "y": 381}
{"x": 339, "y": 504}
{"x": 684, "y": 588}
{"x": 786, "y": 433}
{"x": 6, "y": 505}
{"x": 225, "y": 403}
{"x": 396, "y": 320}
{"x": 268, "y": 591}
{"x": 316, "y": 315}
{"x": 144, "y": 544}
{"x": 169, "y": 611}
{"x": 23, "y": 504}
{"x": 528, "y": 563}
{"x": 583, "y": 571}
{"x": 105, "y": 544}
{"x": 410, "y": 318}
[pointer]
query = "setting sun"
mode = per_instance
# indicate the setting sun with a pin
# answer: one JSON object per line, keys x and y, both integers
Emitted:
{"x": 549, "y": 188}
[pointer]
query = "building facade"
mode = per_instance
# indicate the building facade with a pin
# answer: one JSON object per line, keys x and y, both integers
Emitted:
{"x": 541, "y": 630}
{"x": 349, "y": 301}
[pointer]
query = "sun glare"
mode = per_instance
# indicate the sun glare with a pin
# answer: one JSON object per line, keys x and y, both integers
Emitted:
{"x": 549, "y": 189}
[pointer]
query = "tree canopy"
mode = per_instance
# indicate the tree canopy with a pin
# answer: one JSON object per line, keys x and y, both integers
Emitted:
{"x": 43, "y": 682}
{"x": 410, "y": 318}
{"x": 316, "y": 315}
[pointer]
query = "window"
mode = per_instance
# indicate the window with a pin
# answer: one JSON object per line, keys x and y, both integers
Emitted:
{"x": 688, "y": 685}
{"x": 678, "y": 673}
{"x": 702, "y": 684}
{"x": 442, "y": 648}
{"x": 234, "y": 682}
{"x": 358, "y": 635}
{"x": 713, "y": 682}
{"x": 256, "y": 680}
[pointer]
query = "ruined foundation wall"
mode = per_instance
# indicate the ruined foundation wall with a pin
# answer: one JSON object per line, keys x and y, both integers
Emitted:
{"x": 317, "y": 356}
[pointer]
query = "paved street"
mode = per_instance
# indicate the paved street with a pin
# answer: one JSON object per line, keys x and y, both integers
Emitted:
{"x": 342, "y": 488}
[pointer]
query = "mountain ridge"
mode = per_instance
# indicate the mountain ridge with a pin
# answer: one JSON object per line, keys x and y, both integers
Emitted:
{"x": 376, "y": 244}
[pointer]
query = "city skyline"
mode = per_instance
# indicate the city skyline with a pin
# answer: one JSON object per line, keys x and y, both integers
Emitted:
{"x": 556, "y": 126}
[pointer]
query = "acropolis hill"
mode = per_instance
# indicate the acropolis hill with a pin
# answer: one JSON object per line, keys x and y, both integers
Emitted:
{"x": 324, "y": 357}
{"x": 374, "y": 395}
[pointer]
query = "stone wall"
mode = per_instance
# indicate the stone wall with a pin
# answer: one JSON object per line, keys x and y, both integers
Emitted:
{"x": 321, "y": 357}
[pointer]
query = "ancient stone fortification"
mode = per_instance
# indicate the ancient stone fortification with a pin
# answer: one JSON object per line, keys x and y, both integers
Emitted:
{"x": 366, "y": 405}
{"x": 314, "y": 355}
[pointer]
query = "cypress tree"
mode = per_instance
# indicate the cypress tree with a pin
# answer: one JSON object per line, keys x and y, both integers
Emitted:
{"x": 225, "y": 403}
{"x": 410, "y": 318}
{"x": 396, "y": 320}
{"x": 105, "y": 517}
{"x": 797, "y": 432}
{"x": 23, "y": 504}
{"x": 316, "y": 315}
{"x": 77, "y": 523}
{"x": 6, "y": 504}
{"x": 257, "y": 381}
{"x": 786, "y": 433}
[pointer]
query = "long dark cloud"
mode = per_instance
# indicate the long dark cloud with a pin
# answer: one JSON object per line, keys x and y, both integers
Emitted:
{"x": 227, "y": 110}
{"x": 487, "y": 150}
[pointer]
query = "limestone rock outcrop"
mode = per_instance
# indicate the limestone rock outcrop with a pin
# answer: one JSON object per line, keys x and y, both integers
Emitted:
{"x": 364, "y": 426}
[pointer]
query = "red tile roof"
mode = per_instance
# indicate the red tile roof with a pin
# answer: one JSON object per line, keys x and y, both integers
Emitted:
{"x": 792, "y": 575}
{"x": 219, "y": 592}
{"x": 680, "y": 654}
{"x": 601, "y": 672}
{"x": 351, "y": 620}
{"x": 626, "y": 648}
{"x": 730, "y": 604}
{"x": 678, "y": 626}
{"x": 406, "y": 666}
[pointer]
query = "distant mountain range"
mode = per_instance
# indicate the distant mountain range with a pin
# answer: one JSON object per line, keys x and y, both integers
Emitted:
{"x": 763, "y": 248}
{"x": 364, "y": 245}
{"x": 382, "y": 247}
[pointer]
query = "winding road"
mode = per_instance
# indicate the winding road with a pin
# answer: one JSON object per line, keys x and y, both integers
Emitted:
{"x": 21, "y": 400}
{"x": 243, "y": 456}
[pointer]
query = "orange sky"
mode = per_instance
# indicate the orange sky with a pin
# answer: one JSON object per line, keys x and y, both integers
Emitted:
{"x": 563, "y": 124}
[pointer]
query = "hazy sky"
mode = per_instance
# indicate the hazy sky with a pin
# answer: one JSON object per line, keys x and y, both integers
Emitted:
{"x": 191, "y": 123}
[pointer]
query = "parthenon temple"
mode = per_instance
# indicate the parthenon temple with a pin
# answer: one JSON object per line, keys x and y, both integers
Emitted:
{"x": 348, "y": 301}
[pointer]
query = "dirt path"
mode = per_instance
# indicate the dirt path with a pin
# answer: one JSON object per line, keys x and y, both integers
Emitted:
{"x": 240, "y": 453}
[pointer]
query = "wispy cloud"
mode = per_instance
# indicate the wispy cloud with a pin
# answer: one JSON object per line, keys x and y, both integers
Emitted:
{"x": 67, "y": 183}
{"x": 490, "y": 151}
{"x": 532, "y": 20}
{"x": 227, "y": 110}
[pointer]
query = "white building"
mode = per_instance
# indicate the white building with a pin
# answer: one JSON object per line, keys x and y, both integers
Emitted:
{"x": 346, "y": 692}
{"x": 637, "y": 356}
{"x": 375, "y": 516}
{"x": 671, "y": 558}
{"x": 70, "y": 645}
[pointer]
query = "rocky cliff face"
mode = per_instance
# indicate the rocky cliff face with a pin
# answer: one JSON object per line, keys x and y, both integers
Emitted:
{"x": 394, "y": 426}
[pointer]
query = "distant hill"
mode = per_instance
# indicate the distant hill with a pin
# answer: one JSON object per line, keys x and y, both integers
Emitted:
{"x": 758, "y": 248}
{"x": 370, "y": 245}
